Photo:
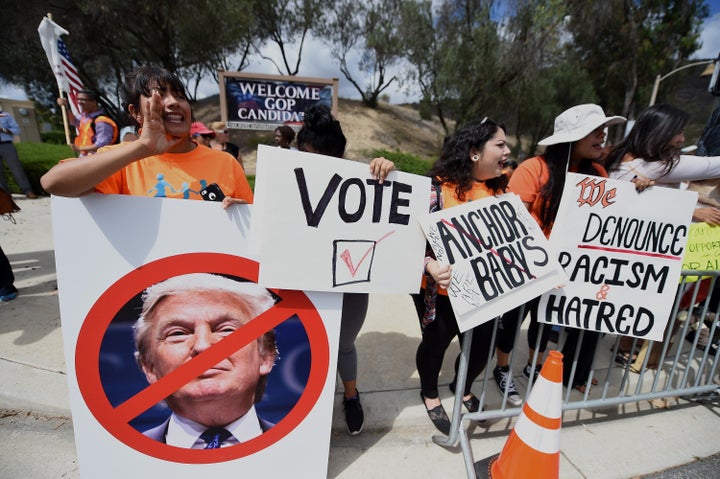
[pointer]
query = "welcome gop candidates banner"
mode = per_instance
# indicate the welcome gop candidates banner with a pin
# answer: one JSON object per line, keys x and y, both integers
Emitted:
{"x": 263, "y": 102}
{"x": 324, "y": 224}
{"x": 108, "y": 250}
{"x": 499, "y": 255}
{"x": 622, "y": 251}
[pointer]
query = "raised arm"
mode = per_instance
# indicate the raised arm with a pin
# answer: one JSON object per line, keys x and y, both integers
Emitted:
{"x": 79, "y": 176}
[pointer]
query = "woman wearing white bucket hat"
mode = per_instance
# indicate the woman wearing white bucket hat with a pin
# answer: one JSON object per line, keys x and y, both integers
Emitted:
{"x": 575, "y": 145}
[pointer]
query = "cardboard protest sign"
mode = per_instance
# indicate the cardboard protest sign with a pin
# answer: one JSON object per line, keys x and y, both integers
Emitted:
{"x": 703, "y": 249}
{"x": 109, "y": 251}
{"x": 499, "y": 256}
{"x": 622, "y": 251}
{"x": 324, "y": 224}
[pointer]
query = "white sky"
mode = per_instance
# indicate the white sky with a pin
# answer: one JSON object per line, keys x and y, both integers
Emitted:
{"x": 323, "y": 66}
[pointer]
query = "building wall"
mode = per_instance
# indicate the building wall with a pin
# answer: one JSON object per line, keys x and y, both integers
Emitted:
{"x": 24, "y": 113}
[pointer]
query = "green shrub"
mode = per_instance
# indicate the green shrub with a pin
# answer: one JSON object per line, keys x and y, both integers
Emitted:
{"x": 56, "y": 137}
{"x": 37, "y": 159}
{"x": 405, "y": 161}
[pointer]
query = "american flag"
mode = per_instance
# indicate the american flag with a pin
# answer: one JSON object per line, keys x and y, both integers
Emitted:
{"x": 72, "y": 79}
{"x": 59, "y": 57}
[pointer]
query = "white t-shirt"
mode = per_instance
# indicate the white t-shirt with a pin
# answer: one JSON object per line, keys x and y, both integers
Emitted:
{"x": 688, "y": 168}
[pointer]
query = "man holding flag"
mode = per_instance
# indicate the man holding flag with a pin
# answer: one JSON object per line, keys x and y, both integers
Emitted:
{"x": 94, "y": 130}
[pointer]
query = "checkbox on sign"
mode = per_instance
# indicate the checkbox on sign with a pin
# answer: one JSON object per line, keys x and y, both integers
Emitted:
{"x": 352, "y": 261}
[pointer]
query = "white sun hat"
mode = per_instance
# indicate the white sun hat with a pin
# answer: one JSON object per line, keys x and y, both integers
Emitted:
{"x": 577, "y": 122}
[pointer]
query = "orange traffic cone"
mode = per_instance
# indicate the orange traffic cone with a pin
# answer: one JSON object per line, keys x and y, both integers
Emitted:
{"x": 533, "y": 448}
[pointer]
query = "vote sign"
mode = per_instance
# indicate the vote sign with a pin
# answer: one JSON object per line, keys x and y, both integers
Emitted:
{"x": 325, "y": 224}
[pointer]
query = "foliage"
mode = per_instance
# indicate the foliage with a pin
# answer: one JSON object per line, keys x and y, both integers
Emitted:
{"x": 405, "y": 161}
{"x": 56, "y": 137}
{"x": 37, "y": 159}
{"x": 109, "y": 38}
{"x": 517, "y": 61}
{"x": 284, "y": 22}
{"x": 371, "y": 29}
{"x": 624, "y": 44}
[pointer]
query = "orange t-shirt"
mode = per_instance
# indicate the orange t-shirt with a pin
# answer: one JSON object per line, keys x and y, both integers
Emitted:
{"x": 528, "y": 180}
{"x": 180, "y": 175}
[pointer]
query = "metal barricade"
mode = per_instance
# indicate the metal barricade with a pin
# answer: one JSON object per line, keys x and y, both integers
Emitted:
{"x": 683, "y": 364}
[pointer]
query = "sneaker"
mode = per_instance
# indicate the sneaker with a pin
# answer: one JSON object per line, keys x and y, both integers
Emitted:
{"x": 504, "y": 378}
{"x": 526, "y": 372}
{"x": 5, "y": 297}
{"x": 354, "y": 416}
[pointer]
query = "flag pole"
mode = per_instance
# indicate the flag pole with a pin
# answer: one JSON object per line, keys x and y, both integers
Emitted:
{"x": 63, "y": 108}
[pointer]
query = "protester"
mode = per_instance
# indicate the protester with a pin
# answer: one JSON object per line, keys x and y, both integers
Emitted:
{"x": 180, "y": 318}
{"x": 9, "y": 156}
{"x": 321, "y": 133}
{"x": 8, "y": 291}
{"x": 222, "y": 141}
{"x": 94, "y": 130}
{"x": 162, "y": 160}
{"x": 469, "y": 168}
{"x": 284, "y": 136}
{"x": 575, "y": 145}
{"x": 652, "y": 151}
{"x": 201, "y": 133}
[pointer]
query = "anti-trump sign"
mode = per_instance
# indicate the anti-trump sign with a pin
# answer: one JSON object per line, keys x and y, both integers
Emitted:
{"x": 500, "y": 258}
{"x": 622, "y": 251}
{"x": 204, "y": 342}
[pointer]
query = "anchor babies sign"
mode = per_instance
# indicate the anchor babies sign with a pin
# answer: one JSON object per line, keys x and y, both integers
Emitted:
{"x": 500, "y": 258}
{"x": 622, "y": 251}
{"x": 325, "y": 224}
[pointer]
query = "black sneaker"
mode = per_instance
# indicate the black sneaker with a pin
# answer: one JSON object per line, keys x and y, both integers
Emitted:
{"x": 503, "y": 378}
{"x": 354, "y": 416}
{"x": 528, "y": 368}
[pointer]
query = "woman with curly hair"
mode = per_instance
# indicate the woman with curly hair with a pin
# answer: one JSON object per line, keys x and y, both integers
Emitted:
{"x": 469, "y": 168}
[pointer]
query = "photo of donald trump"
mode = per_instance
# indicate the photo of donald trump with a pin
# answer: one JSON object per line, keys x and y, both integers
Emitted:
{"x": 180, "y": 318}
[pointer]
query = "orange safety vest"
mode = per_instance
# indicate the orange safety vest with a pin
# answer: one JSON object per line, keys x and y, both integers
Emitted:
{"x": 86, "y": 130}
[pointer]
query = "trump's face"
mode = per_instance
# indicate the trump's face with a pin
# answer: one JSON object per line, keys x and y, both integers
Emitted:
{"x": 183, "y": 326}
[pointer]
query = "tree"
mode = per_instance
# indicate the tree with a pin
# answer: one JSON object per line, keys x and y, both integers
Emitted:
{"x": 626, "y": 43}
{"x": 284, "y": 22}
{"x": 370, "y": 28}
{"x": 110, "y": 37}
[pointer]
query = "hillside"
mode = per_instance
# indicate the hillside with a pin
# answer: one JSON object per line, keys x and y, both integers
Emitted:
{"x": 389, "y": 127}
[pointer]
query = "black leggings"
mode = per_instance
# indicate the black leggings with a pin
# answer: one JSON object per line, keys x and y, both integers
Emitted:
{"x": 437, "y": 336}
{"x": 509, "y": 325}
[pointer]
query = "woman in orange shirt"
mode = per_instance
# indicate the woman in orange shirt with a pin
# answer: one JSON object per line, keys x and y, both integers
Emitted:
{"x": 576, "y": 145}
{"x": 163, "y": 162}
{"x": 469, "y": 168}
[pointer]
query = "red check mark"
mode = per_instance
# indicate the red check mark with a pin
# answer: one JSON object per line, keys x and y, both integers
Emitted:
{"x": 347, "y": 257}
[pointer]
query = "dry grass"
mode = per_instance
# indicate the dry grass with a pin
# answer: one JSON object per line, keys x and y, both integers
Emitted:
{"x": 389, "y": 127}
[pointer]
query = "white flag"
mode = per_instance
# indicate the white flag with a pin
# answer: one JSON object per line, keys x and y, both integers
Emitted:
{"x": 59, "y": 57}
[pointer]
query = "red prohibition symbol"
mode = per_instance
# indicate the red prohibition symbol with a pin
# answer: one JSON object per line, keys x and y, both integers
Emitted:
{"x": 116, "y": 419}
